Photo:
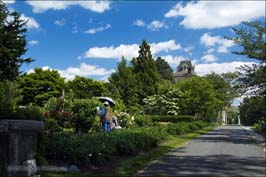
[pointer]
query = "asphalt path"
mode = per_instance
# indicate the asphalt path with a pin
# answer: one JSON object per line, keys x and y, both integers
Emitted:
{"x": 226, "y": 151}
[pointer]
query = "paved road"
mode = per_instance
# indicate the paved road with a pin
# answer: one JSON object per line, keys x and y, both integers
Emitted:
{"x": 226, "y": 151}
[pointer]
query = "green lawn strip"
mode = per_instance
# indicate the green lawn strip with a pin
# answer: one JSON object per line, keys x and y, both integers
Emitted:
{"x": 133, "y": 165}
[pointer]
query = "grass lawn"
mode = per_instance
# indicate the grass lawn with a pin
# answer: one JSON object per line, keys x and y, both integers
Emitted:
{"x": 133, "y": 164}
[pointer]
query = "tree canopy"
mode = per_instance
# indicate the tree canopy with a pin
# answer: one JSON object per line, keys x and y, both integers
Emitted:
{"x": 41, "y": 85}
{"x": 12, "y": 43}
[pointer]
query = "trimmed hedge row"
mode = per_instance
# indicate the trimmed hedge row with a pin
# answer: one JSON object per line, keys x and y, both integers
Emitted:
{"x": 97, "y": 148}
{"x": 181, "y": 128}
{"x": 173, "y": 119}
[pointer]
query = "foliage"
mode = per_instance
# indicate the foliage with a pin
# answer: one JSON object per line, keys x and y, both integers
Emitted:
{"x": 199, "y": 97}
{"x": 86, "y": 87}
{"x": 60, "y": 111}
{"x": 124, "y": 119}
{"x": 24, "y": 113}
{"x": 88, "y": 149}
{"x": 164, "y": 104}
{"x": 147, "y": 77}
{"x": 9, "y": 96}
{"x": 181, "y": 128}
{"x": 253, "y": 79}
{"x": 143, "y": 120}
{"x": 12, "y": 43}
{"x": 84, "y": 113}
{"x": 164, "y": 69}
{"x": 124, "y": 80}
{"x": 252, "y": 38}
{"x": 223, "y": 88}
{"x": 39, "y": 86}
{"x": 260, "y": 127}
{"x": 163, "y": 118}
{"x": 252, "y": 109}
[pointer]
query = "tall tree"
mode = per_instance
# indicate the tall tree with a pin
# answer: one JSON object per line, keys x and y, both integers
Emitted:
{"x": 224, "y": 90}
{"x": 123, "y": 79}
{"x": 252, "y": 37}
{"x": 199, "y": 97}
{"x": 164, "y": 69}
{"x": 145, "y": 69}
{"x": 12, "y": 43}
{"x": 41, "y": 85}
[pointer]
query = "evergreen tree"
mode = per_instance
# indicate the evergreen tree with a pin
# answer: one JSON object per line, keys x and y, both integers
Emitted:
{"x": 125, "y": 83}
{"x": 12, "y": 43}
{"x": 164, "y": 69}
{"x": 147, "y": 76}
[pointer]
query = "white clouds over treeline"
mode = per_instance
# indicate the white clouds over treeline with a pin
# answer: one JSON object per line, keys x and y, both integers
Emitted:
{"x": 129, "y": 50}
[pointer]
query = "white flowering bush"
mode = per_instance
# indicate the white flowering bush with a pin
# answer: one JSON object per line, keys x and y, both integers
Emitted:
{"x": 125, "y": 119}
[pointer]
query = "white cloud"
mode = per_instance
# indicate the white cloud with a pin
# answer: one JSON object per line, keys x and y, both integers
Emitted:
{"x": 209, "y": 58}
{"x": 99, "y": 29}
{"x": 33, "y": 42}
{"x": 61, "y": 22}
{"x": 174, "y": 60}
{"x": 84, "y": 70}
{"x": 32, "y": 23}
{"x": 8, "y": 1}
{"x": 216, "y": 14}
{"x": 42, "y": 6}
{"x": 156, "y": 25}
{"x": 216, "y": 41}
{"x": 139, "y": 23}
{"x": 129, "y": 51}
{"x": 219, "y": 68}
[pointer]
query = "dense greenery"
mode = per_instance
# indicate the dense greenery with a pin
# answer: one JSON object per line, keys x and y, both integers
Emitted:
{"x": 251, "y": 37}
{"x": 157, "y": 118}
{"x": 98, "y": 148}
{"x": 39, "y": 86}
{"x": 12, "y": 43}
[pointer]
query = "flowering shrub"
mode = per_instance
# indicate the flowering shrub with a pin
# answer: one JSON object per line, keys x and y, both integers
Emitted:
{"x": 124, "y": 119}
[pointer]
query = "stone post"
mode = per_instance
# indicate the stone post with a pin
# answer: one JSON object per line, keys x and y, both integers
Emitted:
{"x": 18, "y": 144}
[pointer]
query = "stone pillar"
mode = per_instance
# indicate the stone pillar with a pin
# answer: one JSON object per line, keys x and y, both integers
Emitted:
{"x": 18, "y": 144}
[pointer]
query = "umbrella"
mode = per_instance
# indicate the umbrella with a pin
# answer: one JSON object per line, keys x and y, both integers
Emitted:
{"x": 110, "y": 100}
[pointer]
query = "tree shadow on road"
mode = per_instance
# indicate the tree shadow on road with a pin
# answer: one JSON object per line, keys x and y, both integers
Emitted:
{"x": 209, "y": 166}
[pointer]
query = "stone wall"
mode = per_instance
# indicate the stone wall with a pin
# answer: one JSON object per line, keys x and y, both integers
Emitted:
{"x": 18, "y": 143}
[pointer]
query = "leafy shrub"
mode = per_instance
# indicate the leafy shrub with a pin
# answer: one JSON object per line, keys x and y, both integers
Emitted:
{"x": 185, "y": 127}
{"x": 260, "y": 127}
{"x": 159, "y": 118}
{"x": 124, "y": 119}
{"x": 84, "y": 113}
{"x": 96, "y": 148}
{"x": 25, "y": 113}
{"x": 143, "y": 120}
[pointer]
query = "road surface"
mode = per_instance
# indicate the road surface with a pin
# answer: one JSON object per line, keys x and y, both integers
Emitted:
{"x": 226, "y": 151}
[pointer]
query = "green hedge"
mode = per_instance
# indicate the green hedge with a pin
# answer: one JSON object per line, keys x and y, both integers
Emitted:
{"x": 181, "y": 128}
{"x": 97, "y": 148}
{"x": 168, "y": 118}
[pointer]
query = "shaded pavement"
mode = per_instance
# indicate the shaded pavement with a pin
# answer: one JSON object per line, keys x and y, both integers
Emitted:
{"x": 226, "y": 151}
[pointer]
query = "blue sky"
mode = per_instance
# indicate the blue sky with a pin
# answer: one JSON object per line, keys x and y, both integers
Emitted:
{"x": 88, "y": 38}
